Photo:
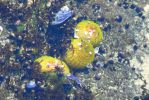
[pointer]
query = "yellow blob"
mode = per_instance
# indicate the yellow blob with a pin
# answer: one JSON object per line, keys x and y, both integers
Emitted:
{"x": 49, "y": 64}
{"x": 89, "y": 31}
{"x": 79, "y": 54}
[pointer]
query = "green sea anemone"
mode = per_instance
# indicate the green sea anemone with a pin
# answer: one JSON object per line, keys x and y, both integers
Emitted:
{"x": 89, "y": 31}
{"x": 79, "y": 54}
{"x": 50, "y": 64}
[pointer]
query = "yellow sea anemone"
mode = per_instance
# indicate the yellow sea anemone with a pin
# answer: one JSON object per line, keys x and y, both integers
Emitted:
{"x": 89, "y": 31}
{"x": 79, "y": 54}
{"x": 50, "y": 64}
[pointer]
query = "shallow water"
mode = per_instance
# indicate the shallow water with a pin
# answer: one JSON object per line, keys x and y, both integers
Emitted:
{"x": 118, "y": 72}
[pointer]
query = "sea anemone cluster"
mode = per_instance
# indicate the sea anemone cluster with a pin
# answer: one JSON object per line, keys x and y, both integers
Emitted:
{"x": 89, "y": 31}
{"x": 50, "y": 64}
{"x": 79, "y": 53}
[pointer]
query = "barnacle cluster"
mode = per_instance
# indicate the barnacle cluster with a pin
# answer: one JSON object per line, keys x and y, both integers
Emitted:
{"x": 89, "y": 31}
{"x": 50, "y": 64}
{"x": 79, "y": 54}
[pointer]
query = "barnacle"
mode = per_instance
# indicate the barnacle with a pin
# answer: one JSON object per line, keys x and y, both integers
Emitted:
{"x": 89, "y": 31}
{"x": 50, "y": 64}
{"x": 79, "y": 54}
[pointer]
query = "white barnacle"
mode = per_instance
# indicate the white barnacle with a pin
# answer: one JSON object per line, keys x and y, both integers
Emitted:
{"x": 90, "y": 53}
{"x": 96, "y": 50}
{"x": 48, "y": 65}
{"x": 76, "y": 30}
{"x": 79, "y": 44}
{"x": 76, "y": 36}
{"x": 80, "y": 48}
{"x": 146, "y": 8}
{"x": 85, "y": 33}
{"x": 62, "y": 66}
{"x": 91, "y": 32}
{"x": 65, "y": 8}
{"x": 56, "y": 63}
{"x": 1, "y": 29}
{"x": 31, "y": 84}
{"x": 89, "y": 37}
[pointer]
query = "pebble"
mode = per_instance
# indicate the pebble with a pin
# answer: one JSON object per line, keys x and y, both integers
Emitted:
{"x": 136, "y": 98}
{"x": 74, "y": 78}
{"x": 143, "y": 17}
{"x": 101, "y": 50}
{"x": 67, "y": 87}
{"x": 132, "y": 6}
{"x": 138, "y": 9}
{"x": 31, "y": 84}
{"x": 110, "y": 62}
{"x": 101, "y": 19}
{"x": 145, "y": 45}
{"x": 105, "y": 65}
{"x": 121, "y": 55}
{"x": 125, "y": 5}
{"x": 64, "y": 14}
{"x": 126, "y": 26}
{"x": 49, "y": 3}
{"x": 96, "y": 6}
{"x": 146, "y": 8}
{"x": 118, "y": 19}
{"x": 96, "y": 50}
{"x": 140, "y": 14}
{"x": 97, "y": 77}
{"x": 22, "y": 1}
{"x": 1, "y": 78}
{"x": 135, "y": 47}
{"x": 107, "y": 28}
